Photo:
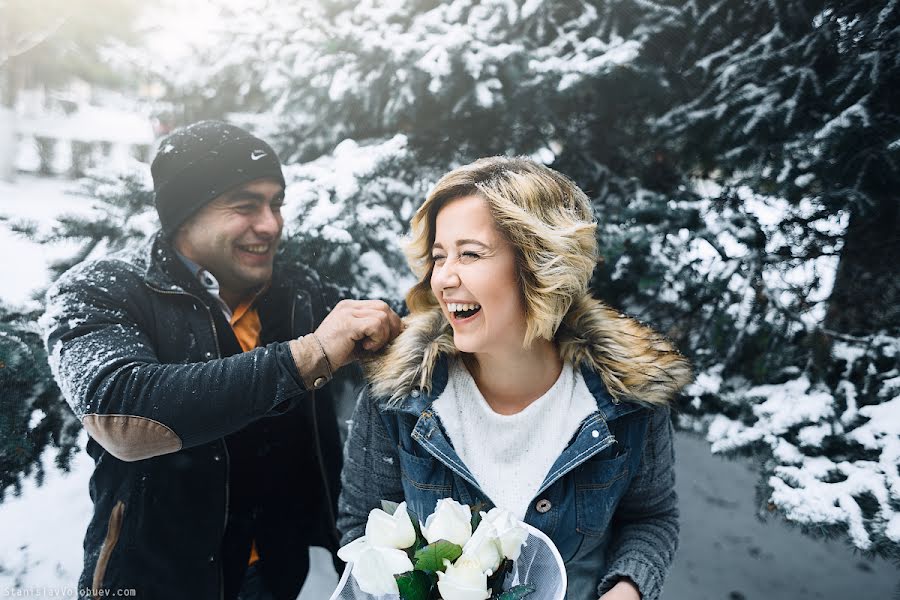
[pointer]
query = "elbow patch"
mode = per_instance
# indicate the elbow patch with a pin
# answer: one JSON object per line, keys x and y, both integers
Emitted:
{"x": 130, "y": 438}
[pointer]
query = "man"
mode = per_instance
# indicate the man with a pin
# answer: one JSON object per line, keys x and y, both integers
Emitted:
{"x": 199, "y": 370}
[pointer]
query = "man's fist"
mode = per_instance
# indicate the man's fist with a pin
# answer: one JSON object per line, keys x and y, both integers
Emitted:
{"x": 354, "y": 325}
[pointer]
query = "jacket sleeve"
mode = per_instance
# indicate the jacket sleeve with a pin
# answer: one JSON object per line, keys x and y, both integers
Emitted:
{"x": 645, "y": 524}
{"x": 134, "y": 406}
{"x": 371, "y": 469}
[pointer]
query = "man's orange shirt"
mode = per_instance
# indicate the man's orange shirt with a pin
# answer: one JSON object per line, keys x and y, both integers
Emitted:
{"x": 246, "y": 326}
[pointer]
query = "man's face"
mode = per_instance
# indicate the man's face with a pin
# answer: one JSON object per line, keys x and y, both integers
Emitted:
{"x": 235, "y": 236}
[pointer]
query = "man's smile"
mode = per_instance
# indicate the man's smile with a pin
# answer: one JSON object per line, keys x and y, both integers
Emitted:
{"x": 259, "y": 249}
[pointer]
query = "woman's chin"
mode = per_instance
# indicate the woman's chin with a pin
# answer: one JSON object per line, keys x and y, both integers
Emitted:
{"x": 465, "y": 343}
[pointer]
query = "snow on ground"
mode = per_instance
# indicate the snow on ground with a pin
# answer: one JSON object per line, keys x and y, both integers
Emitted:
{"x": 727, "y": 553}
{"x": 43, "y": 529}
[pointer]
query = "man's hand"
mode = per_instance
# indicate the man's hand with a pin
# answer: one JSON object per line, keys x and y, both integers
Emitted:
{"x": 356, "y": 324}
{"x": 623, "y": 590}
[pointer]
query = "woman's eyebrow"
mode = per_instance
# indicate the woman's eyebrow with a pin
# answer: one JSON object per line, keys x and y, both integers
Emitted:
{"x": 464, "y": 242}
{"x": 468, "y": 241}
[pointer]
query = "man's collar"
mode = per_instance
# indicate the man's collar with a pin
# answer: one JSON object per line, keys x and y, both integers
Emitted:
{"x": 208, "y": 281}
{"x": 211, "y": 284}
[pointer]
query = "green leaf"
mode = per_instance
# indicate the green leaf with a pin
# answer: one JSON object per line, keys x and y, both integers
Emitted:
{"x": 432, "y": 556}
{"x": 414, "y": 585}
{"x": 420, "y": 539}
{"x": 389, "y": 507}
{"x": 476, "y": 519}
{"x": 517, "y": 592}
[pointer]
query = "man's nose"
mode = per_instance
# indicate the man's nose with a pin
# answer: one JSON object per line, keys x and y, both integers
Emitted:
{"x": 268, "y": 222}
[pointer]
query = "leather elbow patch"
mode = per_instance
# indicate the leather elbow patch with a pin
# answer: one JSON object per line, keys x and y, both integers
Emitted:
{"x": 131, "y": 438}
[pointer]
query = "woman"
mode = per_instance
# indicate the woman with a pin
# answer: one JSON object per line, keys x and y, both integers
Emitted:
{"x": 512, "y": 386}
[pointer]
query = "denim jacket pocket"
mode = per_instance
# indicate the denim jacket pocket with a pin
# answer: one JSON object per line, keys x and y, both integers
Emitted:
{"x": 599, "y": 484}
{"x": 425, "y": 481}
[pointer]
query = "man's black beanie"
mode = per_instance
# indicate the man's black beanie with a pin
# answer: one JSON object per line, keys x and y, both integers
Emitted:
{"x": 197, "y": 163}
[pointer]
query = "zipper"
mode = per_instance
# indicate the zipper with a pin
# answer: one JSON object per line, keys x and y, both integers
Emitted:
{"x": 212, "y": 321}
{"x": 215, "y": 331}
{"x": 315, "y": 422}
{"x": 293, "y": 310}
{"x": 322, "y": 470}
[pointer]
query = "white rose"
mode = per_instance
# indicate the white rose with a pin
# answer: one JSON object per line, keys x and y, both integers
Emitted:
{"x": 450, "y": 521}
{"x": 484, "y": 546}
{"x": 463, "y": 580}
{"x": 374, "y": 567}
{"x": 509, "y": 531}
{"x": 390, "y": 531}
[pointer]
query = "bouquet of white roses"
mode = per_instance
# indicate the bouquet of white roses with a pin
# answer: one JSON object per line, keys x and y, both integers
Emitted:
{"x": 457, "y": 554}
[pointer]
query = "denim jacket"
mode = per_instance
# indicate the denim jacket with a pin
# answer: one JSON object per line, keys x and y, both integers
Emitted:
{"x": 608, "y": 502}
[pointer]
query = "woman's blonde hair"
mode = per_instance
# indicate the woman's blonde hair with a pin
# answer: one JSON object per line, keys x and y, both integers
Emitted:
{"x": 546, "y": 218}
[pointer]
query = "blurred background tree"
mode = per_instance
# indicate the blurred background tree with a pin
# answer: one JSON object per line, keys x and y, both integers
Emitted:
{"x": 48, "y": 44}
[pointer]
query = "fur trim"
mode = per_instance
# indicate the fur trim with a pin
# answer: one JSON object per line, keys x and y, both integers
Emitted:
{"x": 634, "y": 362}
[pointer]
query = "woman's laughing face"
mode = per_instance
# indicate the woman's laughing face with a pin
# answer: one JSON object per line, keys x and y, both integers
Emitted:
{"x": 475, "y": 279}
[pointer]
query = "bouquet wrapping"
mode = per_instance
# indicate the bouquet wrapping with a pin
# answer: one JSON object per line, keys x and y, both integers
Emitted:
{"x": 457, "y": 554}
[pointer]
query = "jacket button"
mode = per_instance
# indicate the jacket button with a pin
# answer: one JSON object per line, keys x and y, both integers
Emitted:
{"x": 595, "y": 434}
{"x": 319, "y": 382}
{"x": 415, "y": 393}
{"x": 208, "y": 354}
{"x": 543, "y": 505}
{"x": 216, "y": 457}
{"x": 211, "y": 558}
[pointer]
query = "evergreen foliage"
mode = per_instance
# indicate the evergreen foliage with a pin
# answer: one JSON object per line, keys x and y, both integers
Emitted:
{"x": 33, "y": 418}
{"x": 741, "y": 158}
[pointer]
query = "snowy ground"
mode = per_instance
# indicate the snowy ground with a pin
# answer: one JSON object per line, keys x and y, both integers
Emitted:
{"x": 725, "y": 553}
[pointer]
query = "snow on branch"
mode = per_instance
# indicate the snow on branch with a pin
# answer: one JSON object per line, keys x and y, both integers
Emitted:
{"x": 833, "y": 446}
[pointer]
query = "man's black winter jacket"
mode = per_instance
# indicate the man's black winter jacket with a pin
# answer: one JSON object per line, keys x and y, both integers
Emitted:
{"x": 190, "y": 436}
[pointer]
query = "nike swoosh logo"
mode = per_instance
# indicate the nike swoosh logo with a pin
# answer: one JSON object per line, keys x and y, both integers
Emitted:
{"x": 257, "y": 154}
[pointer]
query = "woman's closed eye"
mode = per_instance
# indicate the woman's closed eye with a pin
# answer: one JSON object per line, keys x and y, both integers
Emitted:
{"x": 467, "y": 256}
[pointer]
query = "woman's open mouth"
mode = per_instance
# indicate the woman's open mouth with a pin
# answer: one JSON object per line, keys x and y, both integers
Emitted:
{"x": 461, "y": 312}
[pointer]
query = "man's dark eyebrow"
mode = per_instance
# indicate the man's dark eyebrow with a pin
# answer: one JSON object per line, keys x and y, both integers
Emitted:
{"x": 244, "y": 195}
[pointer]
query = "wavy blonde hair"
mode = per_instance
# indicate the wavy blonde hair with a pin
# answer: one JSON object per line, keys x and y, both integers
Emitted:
{"x": 544, "y": 216}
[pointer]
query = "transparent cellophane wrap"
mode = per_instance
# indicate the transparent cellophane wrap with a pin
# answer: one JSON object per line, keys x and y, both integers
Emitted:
{"x": 539, "y": 565}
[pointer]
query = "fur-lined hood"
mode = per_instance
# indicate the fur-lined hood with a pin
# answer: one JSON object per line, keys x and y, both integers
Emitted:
{"x": 634, "y": 362}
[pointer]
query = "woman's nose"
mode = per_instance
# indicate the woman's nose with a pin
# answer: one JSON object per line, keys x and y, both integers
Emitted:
{"x": 445, "y": 276}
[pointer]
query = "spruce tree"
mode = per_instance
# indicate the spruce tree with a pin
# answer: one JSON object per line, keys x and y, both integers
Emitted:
{"x": 719, "y": 199}
{"x": 791, "y": 107}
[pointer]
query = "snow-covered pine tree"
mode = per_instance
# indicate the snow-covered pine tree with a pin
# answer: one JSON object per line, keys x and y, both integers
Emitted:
{"x": 46, "y": 45}
{"x": 370, "y": 102}
{"x": 33, "y": 416}
{"x": 442, "y": 84}
{"x": 33, "y": 419}
{"x": 791, "y": 107}
{"x": 577, "y": 84}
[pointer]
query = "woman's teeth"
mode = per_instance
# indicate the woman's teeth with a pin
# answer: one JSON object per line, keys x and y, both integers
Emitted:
{"x": 457, "y": 309}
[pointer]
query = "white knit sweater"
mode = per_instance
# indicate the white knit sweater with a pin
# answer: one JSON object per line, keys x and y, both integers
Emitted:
{"x": 510, "y": 455}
